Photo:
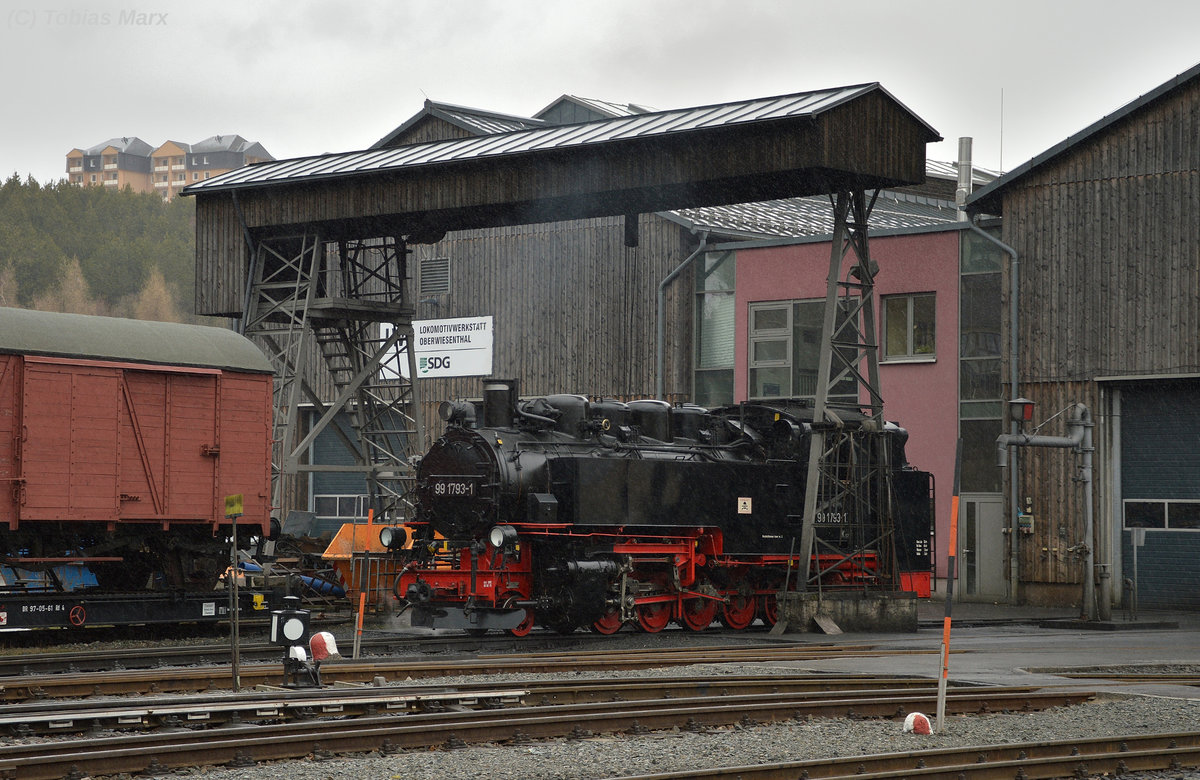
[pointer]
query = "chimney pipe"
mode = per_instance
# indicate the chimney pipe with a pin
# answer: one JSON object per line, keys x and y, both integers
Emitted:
{"x": 965, "y": 176}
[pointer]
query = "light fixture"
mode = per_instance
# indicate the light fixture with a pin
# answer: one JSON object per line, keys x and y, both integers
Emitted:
{"x": 502, "y": 536}
{"x": 393, "y": 537}
{"x": 1020, "y": 410}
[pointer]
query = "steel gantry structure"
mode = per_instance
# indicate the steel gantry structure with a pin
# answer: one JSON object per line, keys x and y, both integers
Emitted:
{"x": 267, "y": 233}
{"x": 346, "y": 304}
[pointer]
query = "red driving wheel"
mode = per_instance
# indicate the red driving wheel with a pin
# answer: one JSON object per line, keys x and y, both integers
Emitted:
{"x": 609, "y": 623}
{"x": 698, "y": 614}
{"x": 653, "y": 617}
{"x": 768, "y": 609}
{"x": 526, "y": 625}
{"x": 738, "y": 612}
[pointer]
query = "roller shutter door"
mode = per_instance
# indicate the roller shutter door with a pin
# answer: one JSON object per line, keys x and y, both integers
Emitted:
{"x": 1160, "y": 488}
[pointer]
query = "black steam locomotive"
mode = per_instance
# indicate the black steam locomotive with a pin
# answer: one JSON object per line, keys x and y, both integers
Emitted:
{"x": 565, "y": 512}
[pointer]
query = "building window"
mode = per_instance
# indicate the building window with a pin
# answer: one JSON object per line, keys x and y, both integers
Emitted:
{"x": 1163, "y": 515}
{"x": 715, "y": 310}
{"x": 771, "y": 350}
{"x": 908, "y": 326}
{"x": 785, "y": 350}
{"x": 340, "y": 507}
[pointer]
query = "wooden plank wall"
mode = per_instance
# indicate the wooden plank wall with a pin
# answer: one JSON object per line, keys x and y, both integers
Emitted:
{"x": 221, "y": 258}
{"x": 575, "y": 309}
{"x": 1109, "y": 243}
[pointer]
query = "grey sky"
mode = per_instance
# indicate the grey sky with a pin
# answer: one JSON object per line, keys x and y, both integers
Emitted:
{"x": 305, "y": 77}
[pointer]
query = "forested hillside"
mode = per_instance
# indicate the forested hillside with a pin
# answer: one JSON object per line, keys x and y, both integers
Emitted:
{"x": 90, "y": 250}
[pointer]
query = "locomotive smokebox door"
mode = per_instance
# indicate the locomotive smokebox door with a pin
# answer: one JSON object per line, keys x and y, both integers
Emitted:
{"x": 543, "y": 508}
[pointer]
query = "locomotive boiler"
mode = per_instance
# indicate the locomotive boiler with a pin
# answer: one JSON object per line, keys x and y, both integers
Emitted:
{"x": 566, "y": 512}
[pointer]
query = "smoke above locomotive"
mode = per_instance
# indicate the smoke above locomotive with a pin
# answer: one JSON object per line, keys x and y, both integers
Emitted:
{"x": 569, "y": 512}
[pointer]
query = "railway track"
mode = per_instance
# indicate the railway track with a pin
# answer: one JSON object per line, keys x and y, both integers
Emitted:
{"x": 1111, "y": 756}
{"x": 247, "y": 744}
{"x": 207, "y": 710}
{"x": 159, "y": 655}
{"x": 20, "y": 688}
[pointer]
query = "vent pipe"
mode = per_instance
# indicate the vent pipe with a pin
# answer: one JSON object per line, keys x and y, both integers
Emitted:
{"x": 965, "y": 177}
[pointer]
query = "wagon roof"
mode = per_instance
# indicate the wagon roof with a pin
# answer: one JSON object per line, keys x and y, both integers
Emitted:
{"x": 27, "y": 332}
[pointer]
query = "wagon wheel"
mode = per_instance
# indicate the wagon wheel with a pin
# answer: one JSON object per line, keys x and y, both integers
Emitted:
{"x": 653, "y": 617}
{"x": 768, "y": 609}
{"x": 738, "y": 612}
{"x": 525, "y": 626}
{"x": 698, "y": 614}
{"x": 609, "y": 623}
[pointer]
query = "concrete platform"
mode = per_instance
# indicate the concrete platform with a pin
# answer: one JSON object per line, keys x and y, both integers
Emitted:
{"x": 995, "y": 644}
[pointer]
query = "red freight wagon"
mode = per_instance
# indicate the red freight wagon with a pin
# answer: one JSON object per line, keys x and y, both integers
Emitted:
{"x": 119, "y": 441}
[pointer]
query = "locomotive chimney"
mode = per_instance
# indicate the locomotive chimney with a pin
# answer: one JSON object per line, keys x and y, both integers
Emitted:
{"x": 499, "y": 402}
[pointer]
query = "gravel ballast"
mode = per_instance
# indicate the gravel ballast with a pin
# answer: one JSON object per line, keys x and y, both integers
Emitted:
{"x": 617, "y": 755}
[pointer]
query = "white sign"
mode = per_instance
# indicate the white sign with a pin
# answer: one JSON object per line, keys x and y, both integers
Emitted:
{"x": 454, "y": 347}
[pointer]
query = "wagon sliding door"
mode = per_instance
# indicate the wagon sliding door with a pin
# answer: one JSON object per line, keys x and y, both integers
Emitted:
{"x": 69, "y": 469}
{"x": 169, "y": 445}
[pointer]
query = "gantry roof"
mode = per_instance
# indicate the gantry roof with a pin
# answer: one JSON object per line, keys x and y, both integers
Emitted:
{"x": 563, "y": 137}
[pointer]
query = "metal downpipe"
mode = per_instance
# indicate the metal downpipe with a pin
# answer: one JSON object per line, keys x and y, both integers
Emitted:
{"x": 660, "y": 336}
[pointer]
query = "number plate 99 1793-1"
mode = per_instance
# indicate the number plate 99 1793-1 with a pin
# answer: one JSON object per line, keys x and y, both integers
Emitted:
{"x": 446, "y": 487}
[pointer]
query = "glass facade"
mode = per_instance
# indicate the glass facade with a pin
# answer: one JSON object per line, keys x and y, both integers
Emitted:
{"x": 981, "y": 402}
{"x": 715, "y": 328}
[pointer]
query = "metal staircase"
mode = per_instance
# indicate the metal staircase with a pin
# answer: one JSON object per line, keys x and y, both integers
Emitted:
{"x": 335, "y": 321}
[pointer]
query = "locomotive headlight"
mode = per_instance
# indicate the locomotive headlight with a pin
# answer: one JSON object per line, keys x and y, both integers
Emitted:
{"x": 393, "y": 537}
{"x": 457, "y": 412}
{"x": 502, "y": 535}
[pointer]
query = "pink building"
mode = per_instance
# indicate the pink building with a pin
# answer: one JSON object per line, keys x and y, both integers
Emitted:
{"x": 938, "y": 368}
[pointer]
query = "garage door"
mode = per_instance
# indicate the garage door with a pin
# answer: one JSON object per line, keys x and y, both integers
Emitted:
{"x": 1160, "y": 488}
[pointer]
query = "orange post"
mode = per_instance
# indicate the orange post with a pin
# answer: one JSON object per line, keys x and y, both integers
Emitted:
{"x": 950, "y": 576}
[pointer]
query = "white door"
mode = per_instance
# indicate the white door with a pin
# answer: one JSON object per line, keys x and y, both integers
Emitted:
{"x": 981, "y": 548}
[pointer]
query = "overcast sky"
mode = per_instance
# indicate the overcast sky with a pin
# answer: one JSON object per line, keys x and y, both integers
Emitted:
{"x": 304, "y": 77}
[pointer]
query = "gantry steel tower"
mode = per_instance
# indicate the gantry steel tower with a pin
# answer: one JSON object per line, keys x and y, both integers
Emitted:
{"x": 337, "y": 313}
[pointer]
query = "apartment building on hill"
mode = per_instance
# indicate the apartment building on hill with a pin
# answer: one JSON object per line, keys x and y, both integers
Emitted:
{"x": 165, "y": 170}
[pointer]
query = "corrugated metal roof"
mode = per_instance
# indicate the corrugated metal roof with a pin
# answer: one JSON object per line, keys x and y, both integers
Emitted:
{"x": 812, "y": 216}
{"x": 27, "y": 332}
{"x": 800, "y": 105}
{"x": 485, "y": 122}
{"x": 939, "y": 169}
{"x": 603, "y": 107}
{"x": 473, "y": 120}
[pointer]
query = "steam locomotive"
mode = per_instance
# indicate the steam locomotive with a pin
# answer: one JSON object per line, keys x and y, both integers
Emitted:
{"x": 567, "y": 512}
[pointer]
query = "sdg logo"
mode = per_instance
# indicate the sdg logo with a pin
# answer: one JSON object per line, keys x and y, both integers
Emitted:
{"x": 437, "y": 363}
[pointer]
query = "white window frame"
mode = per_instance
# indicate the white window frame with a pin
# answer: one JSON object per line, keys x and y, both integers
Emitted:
{"x": 767, "y": 335}
{"x": 909, "y": 355}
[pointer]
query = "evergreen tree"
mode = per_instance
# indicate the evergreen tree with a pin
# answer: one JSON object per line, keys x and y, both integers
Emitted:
{"x": 59, "y": 242}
